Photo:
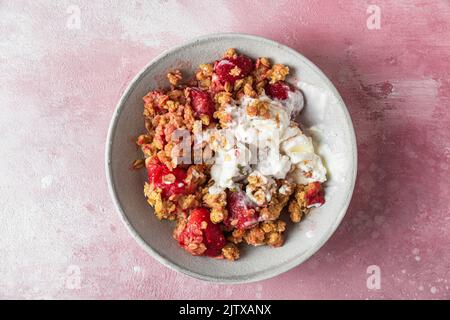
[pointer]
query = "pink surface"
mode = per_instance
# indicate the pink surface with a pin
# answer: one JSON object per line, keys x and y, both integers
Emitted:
{"x": 59, "y": 234}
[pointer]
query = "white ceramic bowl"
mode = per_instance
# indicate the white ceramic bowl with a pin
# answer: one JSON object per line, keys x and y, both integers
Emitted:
{"x": 332, "y": 133}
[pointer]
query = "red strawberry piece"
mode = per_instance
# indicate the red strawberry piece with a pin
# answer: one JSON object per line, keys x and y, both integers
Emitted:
{"x": 170, "y": 182}
{"x": 314, "y": 194}
{"x": 245, "y": 64}
{"x": 200, "y": 233}
{"x": 223, "y": 68}
{"x": 201, "y": 102}
{"x": 216, "y": 85}
{"x": 278, "y": 90}
{"x": 241, "y": 211}
{"x": 214, "y": 240}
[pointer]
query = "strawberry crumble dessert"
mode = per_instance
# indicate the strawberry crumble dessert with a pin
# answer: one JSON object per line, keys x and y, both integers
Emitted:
{"x": 225, "y": 158}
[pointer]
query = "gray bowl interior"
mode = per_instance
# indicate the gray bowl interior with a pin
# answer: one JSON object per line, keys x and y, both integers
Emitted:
{"x": 332, "y": 132}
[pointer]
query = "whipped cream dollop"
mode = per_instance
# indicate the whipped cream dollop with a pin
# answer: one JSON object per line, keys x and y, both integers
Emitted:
{"x": 271, "y": 145}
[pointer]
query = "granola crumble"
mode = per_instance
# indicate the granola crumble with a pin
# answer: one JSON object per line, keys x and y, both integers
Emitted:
{"x": 218, "y": 208}
{"x": 230, "y": 252}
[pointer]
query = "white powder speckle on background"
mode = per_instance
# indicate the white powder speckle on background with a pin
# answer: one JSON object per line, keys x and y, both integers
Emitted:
{"x": 433, "y": 290}
{"x": 46, "y": 181}
{"x": 137, "y": 269}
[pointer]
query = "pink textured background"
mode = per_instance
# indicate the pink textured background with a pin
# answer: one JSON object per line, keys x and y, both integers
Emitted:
{"x": 59, "y": 234}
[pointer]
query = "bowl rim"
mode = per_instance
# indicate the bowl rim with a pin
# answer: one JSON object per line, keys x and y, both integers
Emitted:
{"x": 258, "y": 276}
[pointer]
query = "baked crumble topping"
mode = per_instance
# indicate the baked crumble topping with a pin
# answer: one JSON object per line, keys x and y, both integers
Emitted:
{"x": 225, "y": 158}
